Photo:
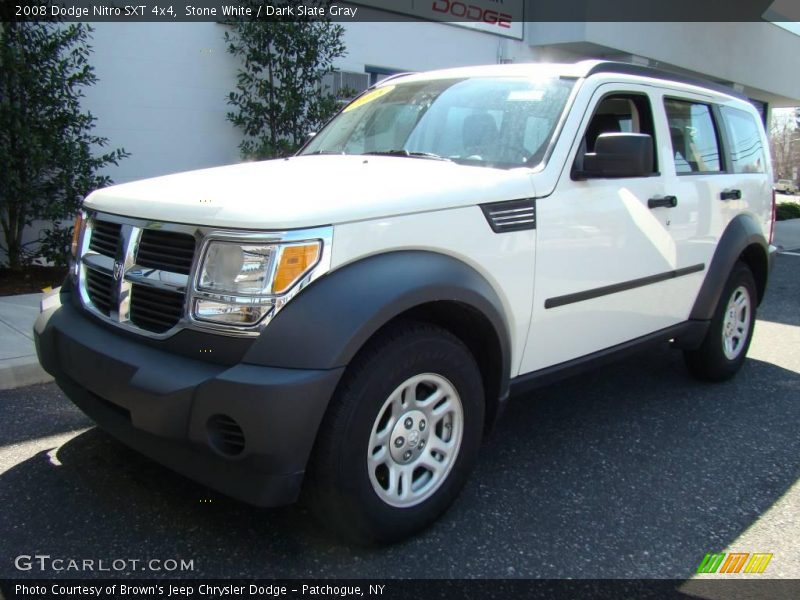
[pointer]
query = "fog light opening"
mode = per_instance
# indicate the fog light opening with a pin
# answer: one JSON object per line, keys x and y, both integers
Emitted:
{"x": 225, "y": 435}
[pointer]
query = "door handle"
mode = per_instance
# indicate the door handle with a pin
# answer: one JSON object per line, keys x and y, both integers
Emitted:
{"x": 666, "y": 202}
{"x": 731, "y": 195}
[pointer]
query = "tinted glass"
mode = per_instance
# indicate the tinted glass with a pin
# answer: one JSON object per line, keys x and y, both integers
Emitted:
{"x": 744, "y": 136}
{"x": 694, "y": 138}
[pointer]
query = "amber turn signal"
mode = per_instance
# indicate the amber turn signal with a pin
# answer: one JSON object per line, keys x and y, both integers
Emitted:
{"x": 76, "y": 234}
{"x": 294, "y": 262}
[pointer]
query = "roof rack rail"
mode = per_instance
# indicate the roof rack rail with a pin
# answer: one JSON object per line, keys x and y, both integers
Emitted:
{"x": 632, "y": 69}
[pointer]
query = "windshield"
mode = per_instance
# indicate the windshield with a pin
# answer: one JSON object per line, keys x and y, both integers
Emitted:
{"x": 500, "y": 122}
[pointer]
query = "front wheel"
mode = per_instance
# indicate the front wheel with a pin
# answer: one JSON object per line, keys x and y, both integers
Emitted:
{"x": 400, "y": 437}
{"x": 724, "y": 348}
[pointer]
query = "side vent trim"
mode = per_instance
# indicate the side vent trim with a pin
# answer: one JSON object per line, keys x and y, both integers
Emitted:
{"x": 511, "y": 215}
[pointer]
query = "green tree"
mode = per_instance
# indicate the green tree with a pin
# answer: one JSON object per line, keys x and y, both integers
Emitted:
{"x": 49, "y": 158}
{"x": 279, "y": 95}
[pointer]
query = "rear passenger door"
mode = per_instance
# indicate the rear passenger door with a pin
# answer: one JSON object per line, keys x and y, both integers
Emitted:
{"x": 717, "y": 172}
{"x": 695, "y": 173}
{"x": 747, "y": 187}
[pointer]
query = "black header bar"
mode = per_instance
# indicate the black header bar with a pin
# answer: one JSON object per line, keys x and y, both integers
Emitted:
{"x": 397, "y": 589}
{"x": 479, "y": 12}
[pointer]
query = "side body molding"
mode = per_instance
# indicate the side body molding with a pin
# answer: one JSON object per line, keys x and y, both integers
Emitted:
{"x": 741, "y": 233}
{"x": 326, "y": 324}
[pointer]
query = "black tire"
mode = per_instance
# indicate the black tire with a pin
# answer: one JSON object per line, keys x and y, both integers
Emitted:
{"x": 339, "y": 486}
{"x": 710, "y": 362}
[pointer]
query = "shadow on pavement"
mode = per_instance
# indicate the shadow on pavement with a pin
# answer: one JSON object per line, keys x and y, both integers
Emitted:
{"x": 35, "y": 412}
{"x": 631, "y": 471}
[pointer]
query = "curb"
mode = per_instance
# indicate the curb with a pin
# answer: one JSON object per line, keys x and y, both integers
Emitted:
{"x": 18, "y": 313}
{"x": 22, "y": 372}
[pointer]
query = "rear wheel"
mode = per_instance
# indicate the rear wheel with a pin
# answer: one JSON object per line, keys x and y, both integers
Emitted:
{"x": 724, "y": 348}
{"x": 400, "y": 437}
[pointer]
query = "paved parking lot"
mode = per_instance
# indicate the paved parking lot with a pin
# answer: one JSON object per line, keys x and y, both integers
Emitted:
{"x": 635, "y": 470}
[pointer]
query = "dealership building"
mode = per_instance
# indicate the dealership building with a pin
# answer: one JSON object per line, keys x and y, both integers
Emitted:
{"x": 163, "y": 87}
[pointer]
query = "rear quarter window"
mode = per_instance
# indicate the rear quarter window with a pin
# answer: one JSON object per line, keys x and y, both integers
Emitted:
{"x": 744, "y": 137}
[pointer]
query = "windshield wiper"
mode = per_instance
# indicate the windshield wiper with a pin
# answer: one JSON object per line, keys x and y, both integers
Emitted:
{"x": 407, "y": 154}
{"x": 321, "y": 152}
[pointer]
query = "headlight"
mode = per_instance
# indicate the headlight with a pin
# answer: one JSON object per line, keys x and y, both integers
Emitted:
{"x": 240, "y": 282}
{"x": 236, "y": 269}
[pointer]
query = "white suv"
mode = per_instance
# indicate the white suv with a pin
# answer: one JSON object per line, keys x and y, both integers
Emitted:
{"x": 349, "y": 322}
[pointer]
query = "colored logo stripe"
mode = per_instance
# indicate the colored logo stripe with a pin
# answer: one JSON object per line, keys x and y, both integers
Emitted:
{"x": 758, "y": 562}
{"x": 711, "y": 563}
{"x": 734, "y": 562}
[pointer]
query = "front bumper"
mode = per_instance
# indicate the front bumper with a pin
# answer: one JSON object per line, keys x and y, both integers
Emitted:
{"x": 162, "y": 405}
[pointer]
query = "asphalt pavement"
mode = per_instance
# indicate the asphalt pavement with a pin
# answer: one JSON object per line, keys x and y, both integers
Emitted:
{"x": 631, "y": 471}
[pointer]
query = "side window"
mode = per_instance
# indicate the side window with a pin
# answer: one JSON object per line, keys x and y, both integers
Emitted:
{"x": 619, "y": 113}
{"x": 694, "y": 139}
{"x": 744, "y": 136}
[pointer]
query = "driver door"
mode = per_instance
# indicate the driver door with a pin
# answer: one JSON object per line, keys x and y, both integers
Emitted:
{"x": 605, "y": 260}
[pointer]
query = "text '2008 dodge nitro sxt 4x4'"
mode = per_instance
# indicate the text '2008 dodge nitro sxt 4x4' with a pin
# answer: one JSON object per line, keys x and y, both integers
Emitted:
{"x": 348, "y": 322}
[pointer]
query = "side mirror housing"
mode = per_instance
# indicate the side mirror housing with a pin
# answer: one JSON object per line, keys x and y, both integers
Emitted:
{"x": 618, "y": 155}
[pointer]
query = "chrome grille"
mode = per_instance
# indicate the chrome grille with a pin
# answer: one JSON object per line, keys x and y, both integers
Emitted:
{"x": 135, "y": 273}
{"x": 100, "y": 288}
{"x": 168, "y": 250}
{"x": 105, "y": 236}
{"x": 154, "y": 309}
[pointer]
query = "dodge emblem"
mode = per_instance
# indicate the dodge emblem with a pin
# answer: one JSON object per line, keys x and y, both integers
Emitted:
{"x": 117, "y": 270}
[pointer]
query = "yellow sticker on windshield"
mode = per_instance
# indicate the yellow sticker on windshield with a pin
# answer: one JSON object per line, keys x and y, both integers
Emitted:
{"x": 362, "y": 100}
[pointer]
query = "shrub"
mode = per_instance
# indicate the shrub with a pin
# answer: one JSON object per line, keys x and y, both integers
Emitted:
{"x": 49, "y": 159}
{"x": 279, "y": 95}
{"x": 786, "y": 211}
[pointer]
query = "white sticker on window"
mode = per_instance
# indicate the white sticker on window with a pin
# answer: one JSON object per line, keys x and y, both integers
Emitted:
{"x": 529, "y": 95}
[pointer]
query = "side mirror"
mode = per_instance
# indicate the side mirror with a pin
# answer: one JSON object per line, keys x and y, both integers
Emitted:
{"x": 618, "y": 155}
{"x": 310, "y": 135}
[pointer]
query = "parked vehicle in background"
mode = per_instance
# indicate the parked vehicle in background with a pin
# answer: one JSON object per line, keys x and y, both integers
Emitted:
{"x": 786, "y": 186}
{"x": 349, "y": 322}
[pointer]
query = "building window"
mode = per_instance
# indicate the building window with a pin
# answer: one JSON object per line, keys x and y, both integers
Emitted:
{"x": 762, "y": 108}
{"x": 375, "y": 74}
{"x": 345, "y": 84}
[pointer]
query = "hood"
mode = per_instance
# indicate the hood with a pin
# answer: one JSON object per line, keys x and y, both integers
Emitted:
{"x": 308, "y": 191}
